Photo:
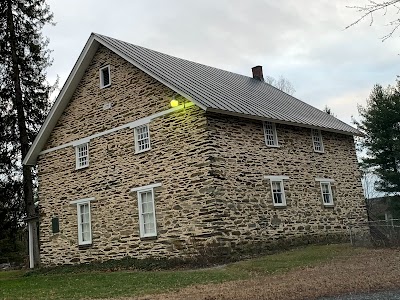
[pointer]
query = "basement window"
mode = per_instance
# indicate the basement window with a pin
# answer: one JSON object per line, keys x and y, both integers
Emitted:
{"x": 271, "y": 138}
{"x": 142, "y": 138}
{"x": 105, "y": 77}
{"x": 82, "y": 155}
{"x": 317, "y": 140}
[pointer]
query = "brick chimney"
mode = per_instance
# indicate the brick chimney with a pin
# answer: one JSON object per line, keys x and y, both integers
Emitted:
{"x": 258, "y": 73}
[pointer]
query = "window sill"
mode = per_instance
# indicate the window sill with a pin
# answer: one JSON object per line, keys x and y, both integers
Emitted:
{"x": 148, "y": 238}
{"x": 85, "y": 246}
{"x": 106, "y": 86}
{"x": 319, "y": 151}
{"x": 274, "y": 146}
{"x": 280, "y": 205}
{"x": 141, "y": 151}
{"x": 80, "y": 168}
{"x": 329, "y": 205}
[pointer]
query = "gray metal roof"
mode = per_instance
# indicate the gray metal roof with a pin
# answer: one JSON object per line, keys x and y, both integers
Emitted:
{"x": 227, "y": 92}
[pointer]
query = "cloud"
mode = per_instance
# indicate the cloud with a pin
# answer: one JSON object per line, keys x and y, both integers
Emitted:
{"x": 303, "y": 41}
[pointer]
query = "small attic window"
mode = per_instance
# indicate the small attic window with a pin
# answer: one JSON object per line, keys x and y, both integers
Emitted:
{"x": 105, "y": 78}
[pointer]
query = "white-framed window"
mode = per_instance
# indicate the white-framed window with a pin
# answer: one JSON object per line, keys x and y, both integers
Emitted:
{"x": 317, "y": 140}
{"x": 278, "y": 189}
{"x": 105, "y": 77}
{"x": 84, "y": 223}
{"x": 142, "y": 138}
{"x": 82, "y": 155}
{"x": 84, "y": 220}
{"x": 326, "y": 193}
{"x": 271, "y": 137}
{"x": 278, "y": 193}
{"x": 147, "y": 211}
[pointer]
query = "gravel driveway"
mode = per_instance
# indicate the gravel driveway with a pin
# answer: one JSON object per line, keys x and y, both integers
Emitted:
{"x": 392, "y": 295}
{"x": 370, "y": 270}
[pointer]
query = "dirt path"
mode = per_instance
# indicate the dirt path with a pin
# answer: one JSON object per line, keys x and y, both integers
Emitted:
{"x": 372, "y": 270}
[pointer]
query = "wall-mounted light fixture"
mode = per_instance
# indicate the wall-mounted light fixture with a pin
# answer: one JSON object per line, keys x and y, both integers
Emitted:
{"x": 174, "y": 102}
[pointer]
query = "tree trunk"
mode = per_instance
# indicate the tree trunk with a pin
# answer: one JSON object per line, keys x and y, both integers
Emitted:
{"x": 23, "y": 136}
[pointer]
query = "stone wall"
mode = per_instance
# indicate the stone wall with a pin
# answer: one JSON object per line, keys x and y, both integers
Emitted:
{"x": 177, "y": 159}
{"x": 241, "y": 159}
{"x": 211, "y": 168}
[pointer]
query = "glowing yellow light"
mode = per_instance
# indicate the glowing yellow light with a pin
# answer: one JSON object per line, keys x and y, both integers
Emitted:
{"x": 174, "y": 103}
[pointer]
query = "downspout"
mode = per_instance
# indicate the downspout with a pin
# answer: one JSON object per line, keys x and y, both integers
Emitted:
{"x": 30, "y": 244}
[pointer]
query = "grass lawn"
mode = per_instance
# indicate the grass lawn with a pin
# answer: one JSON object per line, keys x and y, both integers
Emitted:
{"x": 14, "y": 285}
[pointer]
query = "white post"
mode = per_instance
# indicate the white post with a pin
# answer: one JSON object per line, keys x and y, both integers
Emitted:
{"x": 30, "y": 233}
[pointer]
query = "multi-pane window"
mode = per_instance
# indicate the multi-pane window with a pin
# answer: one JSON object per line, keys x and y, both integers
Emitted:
{"x": 142, "y": 138}
{"x": 84, "y": 223}
{"x": 317, "y": 140}
{"x": 326, "y": 192}
{"x": 105, "y": 78}
{"x": 82, "y": 155}
{"x": 147, "y": 218}
{"x": 271, "y": 138}
{"x": 278, "y": 193}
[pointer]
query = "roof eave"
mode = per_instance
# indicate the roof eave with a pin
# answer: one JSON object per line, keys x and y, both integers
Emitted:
{"x": 236, "y": 114}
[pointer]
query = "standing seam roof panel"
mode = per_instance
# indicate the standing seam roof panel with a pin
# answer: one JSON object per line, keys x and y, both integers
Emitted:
{"x": 226, "y": 91}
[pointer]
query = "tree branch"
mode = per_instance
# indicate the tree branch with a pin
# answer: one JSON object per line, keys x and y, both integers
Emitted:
{"x": 371, "y": 8}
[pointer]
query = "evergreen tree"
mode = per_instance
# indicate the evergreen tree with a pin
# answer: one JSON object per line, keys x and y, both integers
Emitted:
{"x": 381, "y": 125}
{"x": 24, "y": 98}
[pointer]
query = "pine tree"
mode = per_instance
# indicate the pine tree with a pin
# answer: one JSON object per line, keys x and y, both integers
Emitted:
{"x": 381, "y": 125}
{"x": 24, "y": 94}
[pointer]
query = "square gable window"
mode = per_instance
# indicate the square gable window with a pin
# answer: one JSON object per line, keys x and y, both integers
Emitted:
{"x": 105, "y": 77}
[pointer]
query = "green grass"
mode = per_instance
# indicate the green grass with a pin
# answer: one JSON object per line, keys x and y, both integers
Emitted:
{"x": 300, "y": 257}
{"x": 14, "y": 285}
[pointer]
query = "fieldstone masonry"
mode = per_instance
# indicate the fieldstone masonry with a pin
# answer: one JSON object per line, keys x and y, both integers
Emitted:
{"x": 211, "y": 168}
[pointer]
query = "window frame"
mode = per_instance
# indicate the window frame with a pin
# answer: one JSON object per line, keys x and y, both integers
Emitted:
{"x": 139, "y": 191}
{"x": 331, "y": 203}
{"x": 137, "y": 150}
{"x": 274, "y": 134}
{"x": 77, "y": 157}
{"x": 283, "y": 204}
{"x": 318, "y": 135}
{"x": 102, "y": 85}
{"x": 78, "y": 213}
{"x": 143, "y": 234}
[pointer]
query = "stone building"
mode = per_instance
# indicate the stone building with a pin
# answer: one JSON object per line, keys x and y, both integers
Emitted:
{"x": 148, "y": 155}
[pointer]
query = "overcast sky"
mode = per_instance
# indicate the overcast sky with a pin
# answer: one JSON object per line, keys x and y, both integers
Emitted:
{"x": 302, "y": 40}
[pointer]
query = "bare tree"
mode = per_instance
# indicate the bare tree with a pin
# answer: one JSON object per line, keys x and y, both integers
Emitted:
{"x": 282, "y": 84}
{"x": 371, "y": 8}
{"x": 329, "y": 111}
